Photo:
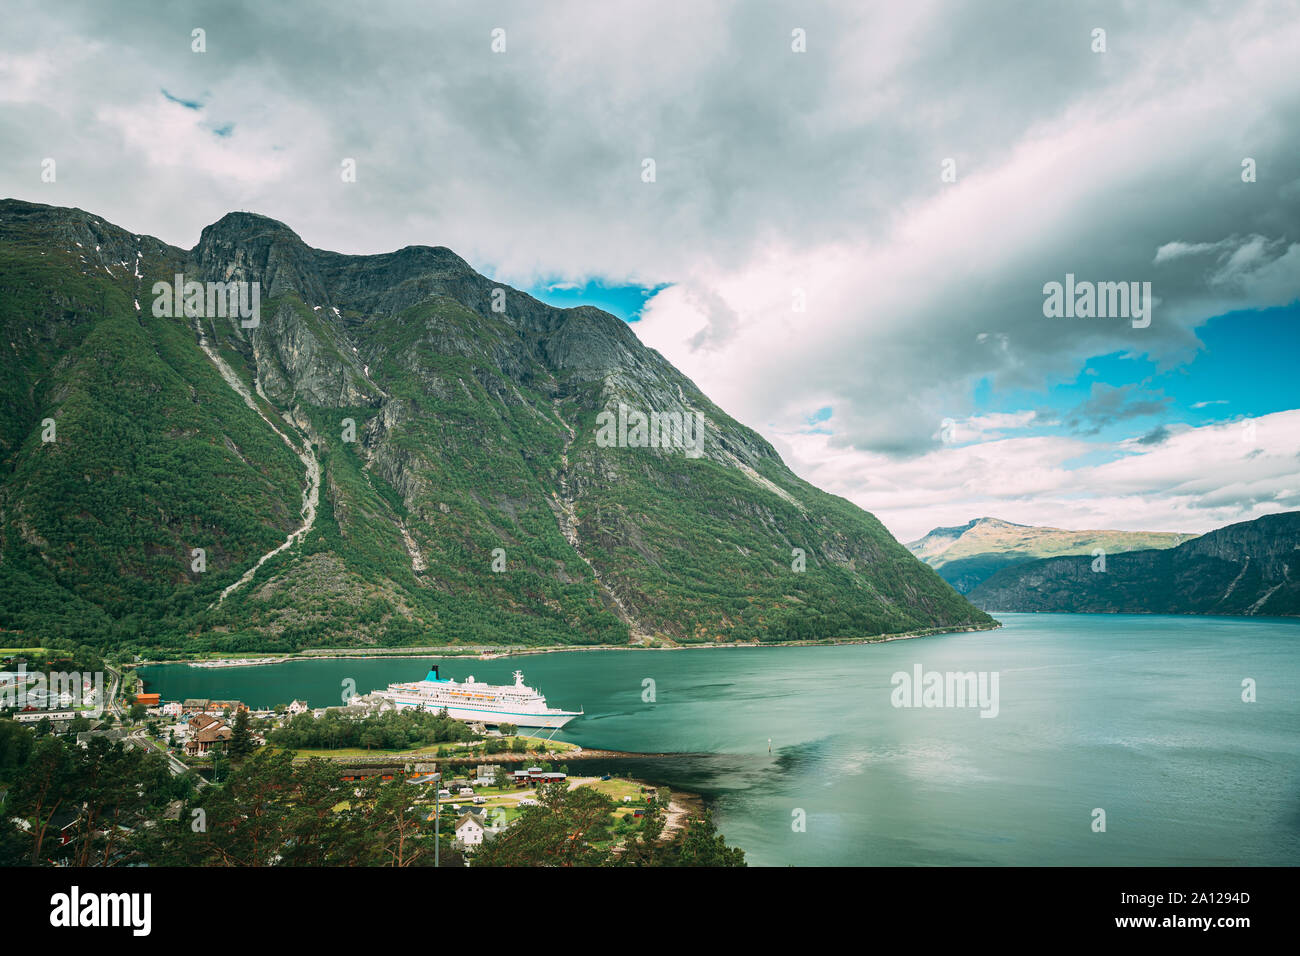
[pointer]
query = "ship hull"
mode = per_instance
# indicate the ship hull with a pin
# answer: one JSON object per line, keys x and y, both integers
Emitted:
{"x": 490, "y": 715}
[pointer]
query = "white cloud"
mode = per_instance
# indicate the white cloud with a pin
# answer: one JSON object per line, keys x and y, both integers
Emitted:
{"x": 1199, "y": 478}
{"x": 783, "y": 179}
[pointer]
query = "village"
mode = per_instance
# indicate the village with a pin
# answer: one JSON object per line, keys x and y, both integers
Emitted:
{"x": 475, "y": 789}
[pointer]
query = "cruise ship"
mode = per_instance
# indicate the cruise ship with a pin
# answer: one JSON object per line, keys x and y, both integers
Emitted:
{"x": 515, "y": 704}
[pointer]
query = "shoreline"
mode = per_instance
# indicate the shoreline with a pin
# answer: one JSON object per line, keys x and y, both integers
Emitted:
{"x": 382, "y": 759}
{"x": 453, "y": 651}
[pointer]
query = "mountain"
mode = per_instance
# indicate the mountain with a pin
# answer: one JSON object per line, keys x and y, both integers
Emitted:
{"x": 968, "y": 555}
{"x": 1247, "y": 568}
{"x": 400, "y": 451}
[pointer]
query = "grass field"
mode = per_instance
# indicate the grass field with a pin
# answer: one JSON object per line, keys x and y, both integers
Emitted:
{"x": 559, "y": 746}
{"x": 459, "y": 749}
{"x": 502, "y": 807}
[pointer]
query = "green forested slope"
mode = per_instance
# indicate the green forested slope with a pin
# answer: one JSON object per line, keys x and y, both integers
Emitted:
{"x": 462, "y": 497}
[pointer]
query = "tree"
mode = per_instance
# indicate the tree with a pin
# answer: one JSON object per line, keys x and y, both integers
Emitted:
{"x": 105, "y": 789}
{"x": 643, "y": 850}
{"x": 396, "y": 832}
{"x": 40, "y": 790}
{"x": 704, "y": 846}
{"x": 566, "y": 828}
{"x": 245, "y": 820}
{"x": 16, "y": 743}
{"x": 241, "y": 737}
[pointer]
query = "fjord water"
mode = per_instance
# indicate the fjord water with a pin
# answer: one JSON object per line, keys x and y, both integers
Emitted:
{"x": 1139, "y": 716}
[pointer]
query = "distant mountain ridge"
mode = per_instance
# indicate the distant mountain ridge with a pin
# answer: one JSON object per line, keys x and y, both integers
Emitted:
{"x": 1249, "y": 568}
{"x": 967, "y": 555}
{"x": 400, "y": 452}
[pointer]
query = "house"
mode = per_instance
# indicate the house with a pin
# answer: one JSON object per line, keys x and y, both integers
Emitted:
{"x": 172, "y": 709}
{"x": 297, "y": 707}
{"x": 469, "y": 829}
{"x": 536, "y": 775}
{"x": 365, "y": 705}
{"x": 35, "y": 716}
{"x": 109, "y": 733}
{"x": 202, "y": 742}
{"x": 365, "y": 773}
{"x": 65, "y": 822}
{"x": 149, "y": 700}
{"x": 205, "y": 731}
{"x": 197, "y": 705}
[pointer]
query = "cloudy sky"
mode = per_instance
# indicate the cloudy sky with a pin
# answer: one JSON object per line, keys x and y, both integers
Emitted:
{"x": 854, "y": 210}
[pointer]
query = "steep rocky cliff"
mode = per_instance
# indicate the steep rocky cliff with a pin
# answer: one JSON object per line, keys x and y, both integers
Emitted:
{"x": 398, "y": 451}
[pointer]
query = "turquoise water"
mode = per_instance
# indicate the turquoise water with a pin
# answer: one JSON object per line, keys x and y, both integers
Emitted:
{"x": 1139, "y": 716}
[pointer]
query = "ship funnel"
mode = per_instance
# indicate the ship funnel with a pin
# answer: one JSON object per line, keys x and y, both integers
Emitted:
{"x": 433, "y": 673}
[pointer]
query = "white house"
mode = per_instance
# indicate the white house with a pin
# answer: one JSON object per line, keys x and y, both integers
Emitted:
{"x": 469, "y": 830}
{"x": 172, "y": 708}
{"x": 297, "y": 707}
{"x": 35, "y": 716}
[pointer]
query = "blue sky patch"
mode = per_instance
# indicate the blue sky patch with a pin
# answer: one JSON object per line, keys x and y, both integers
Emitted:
{"x": 188, "y": 104}
{"x": 624, "y": 301}
{"x": 1245, "y": 368}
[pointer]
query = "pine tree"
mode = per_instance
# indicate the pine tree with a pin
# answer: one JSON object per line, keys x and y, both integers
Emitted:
{"x": 241, "y": 737}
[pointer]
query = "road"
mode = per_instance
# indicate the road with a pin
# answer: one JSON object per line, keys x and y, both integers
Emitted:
{"x": 114, "y": 707}
{"x": 139, "y": 736}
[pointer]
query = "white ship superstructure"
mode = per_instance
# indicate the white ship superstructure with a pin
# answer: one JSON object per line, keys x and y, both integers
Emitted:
{"x": 487, "y": 703}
